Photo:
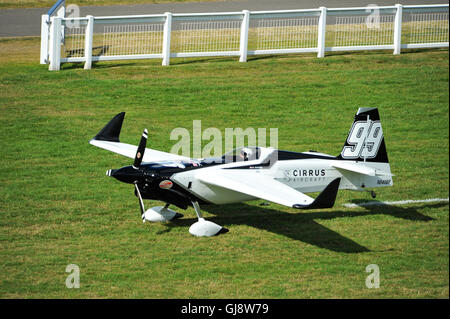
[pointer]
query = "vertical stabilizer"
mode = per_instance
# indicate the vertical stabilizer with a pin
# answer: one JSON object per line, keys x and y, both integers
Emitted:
{"x": 365, "y": 140}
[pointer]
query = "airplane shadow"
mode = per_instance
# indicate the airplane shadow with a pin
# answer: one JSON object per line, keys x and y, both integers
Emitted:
{"x": 303, "y": 226}
{"x": 409, "y": 213}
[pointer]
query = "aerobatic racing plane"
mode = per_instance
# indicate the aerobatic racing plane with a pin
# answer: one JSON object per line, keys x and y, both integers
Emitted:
{"x": 249, "y": 173}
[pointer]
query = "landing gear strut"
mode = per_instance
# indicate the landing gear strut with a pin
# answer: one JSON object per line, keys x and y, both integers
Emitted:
{"x": 157, "y": 213}
{"x": 204, "y": 227}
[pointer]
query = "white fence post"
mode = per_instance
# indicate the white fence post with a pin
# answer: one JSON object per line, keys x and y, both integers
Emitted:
{"x": 322, "y": 32}
{"x": 55, "y": 44}
{"x": 45, "y": 22}
{"x": 61, "y": 13}
{"x": 244, "y": 36}
{"x": 166, "y": 39}
{"x": 398, "y": 29}
{"x": 88, "y": 40}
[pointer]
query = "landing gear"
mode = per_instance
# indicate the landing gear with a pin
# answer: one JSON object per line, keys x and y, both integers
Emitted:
{"x": 161, "y": 214}
{"x": 158, "y": 213}
{"x": 204, "y": 227}
{"x": 372, "y": 193}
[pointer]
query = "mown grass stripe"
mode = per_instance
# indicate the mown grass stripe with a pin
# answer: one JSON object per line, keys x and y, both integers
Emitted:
{"x": 400, "y": 202}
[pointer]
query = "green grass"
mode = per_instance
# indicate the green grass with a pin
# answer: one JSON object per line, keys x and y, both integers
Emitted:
{"x": 8, "y": 4}
{"x": 57, "y": 207}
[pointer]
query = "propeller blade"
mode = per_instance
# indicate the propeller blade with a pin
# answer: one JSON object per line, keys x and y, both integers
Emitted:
{"x": 141, "y": 202}
{"x": 141, "y": 149}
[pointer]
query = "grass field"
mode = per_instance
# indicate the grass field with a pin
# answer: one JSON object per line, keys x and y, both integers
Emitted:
{"x": 9, "y": 4}
{"x": 57, "y": 207}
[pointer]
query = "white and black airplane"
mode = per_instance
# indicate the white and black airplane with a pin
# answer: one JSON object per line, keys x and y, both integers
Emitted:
{"x": 250, "y": 173}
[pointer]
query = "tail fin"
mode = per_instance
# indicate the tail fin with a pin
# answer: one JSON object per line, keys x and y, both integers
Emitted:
{"x": 365, "y": 141}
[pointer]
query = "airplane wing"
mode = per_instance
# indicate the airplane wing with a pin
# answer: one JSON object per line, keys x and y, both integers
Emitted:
{"x": 129, "y": 150}
{"x": 266, "y": 187}
{"x": 108, "y": 139}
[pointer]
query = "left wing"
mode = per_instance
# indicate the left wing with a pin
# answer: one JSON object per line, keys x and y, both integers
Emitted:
{"x": 108, "y": 139}
{"x": 265, "y": 187}
{"x": 129, "y": 150}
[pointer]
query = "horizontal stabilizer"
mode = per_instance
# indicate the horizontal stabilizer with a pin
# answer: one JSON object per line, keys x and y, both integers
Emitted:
{"x": 325, "y": 199}
{"x": 360, "y": 169}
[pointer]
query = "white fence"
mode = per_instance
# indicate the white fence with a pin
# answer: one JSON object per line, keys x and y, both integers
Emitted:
{"x": 58, "y": 10}
{"x": 165, "y": 36}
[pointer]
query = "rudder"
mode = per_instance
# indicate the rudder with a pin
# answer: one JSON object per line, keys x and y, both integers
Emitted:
{"x": 365, "y": 140}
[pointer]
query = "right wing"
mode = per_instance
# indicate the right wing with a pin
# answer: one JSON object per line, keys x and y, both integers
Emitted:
{"x": 108, "y": 139}
{"x": 265, "y": 187}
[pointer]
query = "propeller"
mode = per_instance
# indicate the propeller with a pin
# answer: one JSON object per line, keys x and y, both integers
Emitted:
{"x": 132, "y": 174}
{"x": 140, "y": 150}
{"x": 137, "y": 163}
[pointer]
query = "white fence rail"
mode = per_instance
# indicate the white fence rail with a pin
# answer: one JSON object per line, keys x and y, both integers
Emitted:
{"x": 165, "y": 36}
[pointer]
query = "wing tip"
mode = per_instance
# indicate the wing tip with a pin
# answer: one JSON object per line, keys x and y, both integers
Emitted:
{"x": 325, "y": 199}
{"x": 111, "y": 131}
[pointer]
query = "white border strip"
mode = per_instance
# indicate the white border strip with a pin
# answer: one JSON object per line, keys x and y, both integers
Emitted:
{"x": 401, "y": 202}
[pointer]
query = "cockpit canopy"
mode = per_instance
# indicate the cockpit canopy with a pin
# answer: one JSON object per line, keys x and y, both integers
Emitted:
{"x": 240, "y": 154}
{"x": 255, "y": 154}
